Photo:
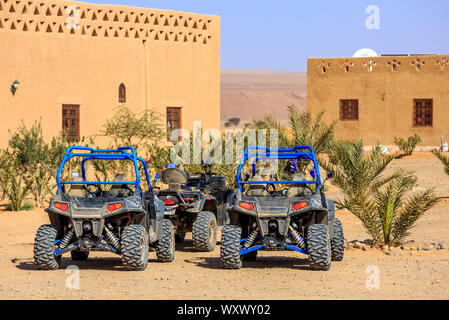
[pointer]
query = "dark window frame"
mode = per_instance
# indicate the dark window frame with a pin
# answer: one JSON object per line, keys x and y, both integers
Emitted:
{"x": 71, "y": 121}
{"x": 422, "y": 115}
{"x": 349, "y": 115}
{"x": 170, "y": 121}
{"x": 122, "y": 93}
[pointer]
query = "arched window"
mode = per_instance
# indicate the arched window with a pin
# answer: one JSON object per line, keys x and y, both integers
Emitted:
{"x": 122, "y": 93}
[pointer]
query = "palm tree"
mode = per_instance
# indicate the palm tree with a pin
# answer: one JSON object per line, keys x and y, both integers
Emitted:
{"x": 444, "y": 160}
{"x": 354, "y": 173}
{"x": 310, "y": 131}
{"x": 381, "y": 202}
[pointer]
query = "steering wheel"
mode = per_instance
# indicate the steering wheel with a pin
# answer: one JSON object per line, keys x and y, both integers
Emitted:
{"x": 97, "y": 192}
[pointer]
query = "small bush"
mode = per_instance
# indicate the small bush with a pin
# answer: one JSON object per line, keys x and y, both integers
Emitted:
{"x": 407, "y": 146}
{"x": 15, "y": 187}
{"x": 27, "y": 206}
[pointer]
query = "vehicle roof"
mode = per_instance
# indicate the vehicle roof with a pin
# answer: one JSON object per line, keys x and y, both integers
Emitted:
{"x": 261, "y": 153}
{"x": 88, "y": 153}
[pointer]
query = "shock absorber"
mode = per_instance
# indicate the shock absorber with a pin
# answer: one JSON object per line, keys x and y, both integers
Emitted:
{"x": 299, "y": 241}
{"x": 65, "y": 241}
{"x": 111, "y": 237}
{"x": 251, "y": 238}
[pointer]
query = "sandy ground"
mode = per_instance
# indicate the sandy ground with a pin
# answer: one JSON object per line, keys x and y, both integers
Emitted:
{"x": 284, "y": 275}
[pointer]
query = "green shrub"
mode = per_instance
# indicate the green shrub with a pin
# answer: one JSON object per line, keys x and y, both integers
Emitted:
{"x": 15, "y": 187}
{"x": 27, "y": 147}
{"x": 41, "y": 184}
{"x": 409, "y": 145}
{"x": 380, "y": 201}
{"x": 27, "y": 206}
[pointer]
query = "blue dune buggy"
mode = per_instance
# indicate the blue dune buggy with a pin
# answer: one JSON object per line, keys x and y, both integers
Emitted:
{"x": 277, "y": 210}
{"x": 114, "y": 216}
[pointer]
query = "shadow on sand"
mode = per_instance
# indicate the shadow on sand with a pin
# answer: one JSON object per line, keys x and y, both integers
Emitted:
{"x": 260, "y": 263}
{"x": 97, "y": 263}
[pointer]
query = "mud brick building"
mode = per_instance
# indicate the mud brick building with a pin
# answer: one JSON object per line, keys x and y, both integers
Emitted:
{"x": 72, "y": 63}
{"x": 379, "y": 98}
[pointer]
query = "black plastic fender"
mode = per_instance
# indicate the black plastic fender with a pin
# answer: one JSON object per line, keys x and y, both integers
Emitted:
{"x": 331, "y": 216}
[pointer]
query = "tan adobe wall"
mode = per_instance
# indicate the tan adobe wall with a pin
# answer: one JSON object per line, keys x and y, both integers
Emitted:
{"x": 165, "y": 58}
{"x": 386, "y": 88}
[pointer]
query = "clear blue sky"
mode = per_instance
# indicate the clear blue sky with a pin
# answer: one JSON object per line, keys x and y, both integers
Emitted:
{"x": 282, "y": 34}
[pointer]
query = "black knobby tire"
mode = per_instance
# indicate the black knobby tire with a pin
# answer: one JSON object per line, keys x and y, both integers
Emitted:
{"x": 79, "y": 255}
{"x": 204, "y": 231}
{"x": 230, "y": 247}
{"x": 318, "y": 247}
{"x": 134, "y": 248}
{"x": 44, "y": 247}
{"x": 165, "y": 247}
{"x": 338, "y": 242}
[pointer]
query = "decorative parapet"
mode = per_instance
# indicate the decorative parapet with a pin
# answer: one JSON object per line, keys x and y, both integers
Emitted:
{"x": 425, "y": 63}
{"x": 82, "y": 19}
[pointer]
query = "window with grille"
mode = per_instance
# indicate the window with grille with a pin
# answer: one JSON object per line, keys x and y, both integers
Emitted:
{"x": 122, "y": 93}
{"x": 173, "y": 120}
{"x": 71, "y": 121}
{"x": 423, "y": 113}
{"x": 349, "y": 109}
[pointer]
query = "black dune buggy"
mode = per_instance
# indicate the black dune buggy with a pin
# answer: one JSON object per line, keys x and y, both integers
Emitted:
{"x": 123, "y": 220}
{"x": 297, "y": 216}
{"x": 196, "y": 203}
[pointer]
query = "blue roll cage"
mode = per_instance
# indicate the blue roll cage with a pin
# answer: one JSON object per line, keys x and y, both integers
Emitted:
{"x": 87, "y": 153}
{"x": 296, "y": 153}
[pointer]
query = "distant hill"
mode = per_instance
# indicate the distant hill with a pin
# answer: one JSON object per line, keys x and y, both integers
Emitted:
{"x": 249, "y": 94}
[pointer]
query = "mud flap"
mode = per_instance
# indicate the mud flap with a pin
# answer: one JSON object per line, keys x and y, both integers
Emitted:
{"x": 222, "y": 216}
{"x": 331, "y": 217}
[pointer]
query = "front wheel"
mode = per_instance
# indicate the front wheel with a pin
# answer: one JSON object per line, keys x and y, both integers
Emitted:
{"x": 230, "y": 247}
{"x": 204, "y": 231}
{"x": 44, "y": 248}
{"x": 165, "y": 247}
{"x": 134, "y": 248}
{"x": 319, "y": 247}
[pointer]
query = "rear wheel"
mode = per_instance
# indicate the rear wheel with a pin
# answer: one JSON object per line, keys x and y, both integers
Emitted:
{"x": 204, "y": 231}
{"x": 165, "y": 248}
{"x": 230, "y": 247}
{"x": 44, "y": 248}
{"x": 338, "y": 242}
{"x": 79, "y": 255}
{"x": 319, "y": 247}
{"x": 134, "y": 248}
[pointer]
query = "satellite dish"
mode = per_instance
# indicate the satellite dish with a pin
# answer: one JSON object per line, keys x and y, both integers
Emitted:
{"x": 362, "y": 53}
